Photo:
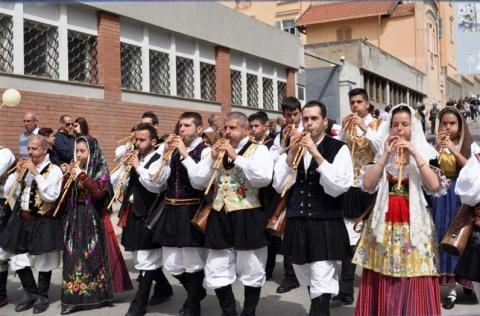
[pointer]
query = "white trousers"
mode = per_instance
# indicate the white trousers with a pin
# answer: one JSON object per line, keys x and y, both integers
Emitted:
{"x": 476, "y": 288}
{"x": 147, "y": 259}
{"x": 225, "y": 265}
{"x": 353, "y": 236}
{"x": 187, "y": 259}
{"x": 44, "y": 263}
{"x": 321, "y": 276}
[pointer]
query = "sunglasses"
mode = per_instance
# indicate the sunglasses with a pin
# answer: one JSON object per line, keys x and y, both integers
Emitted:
{"x": 69, "y": 124}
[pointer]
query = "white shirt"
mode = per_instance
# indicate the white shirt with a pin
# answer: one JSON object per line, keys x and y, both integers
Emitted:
{"x": 6, "y": 161}
{"x": 258, "y": 167}
{"x": 48, "y": 188}
{"x": 277, "y": 149}
{"x": 197, "y": 182}
{"x": 336, "y": 177}
{"x": 468, "y": 185}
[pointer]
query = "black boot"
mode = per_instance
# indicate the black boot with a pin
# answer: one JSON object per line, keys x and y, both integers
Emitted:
{"x": 162, "y": 290}
{"x": 41, "y": 303}
{"x": 320, "y": 305}
{"x": 30, "y": 287}
{"x": 290, "y": 281}
{"x": 138, "y": 306}
{"x": 3, "y": 287}
{"x": 252, "y": 296}
{"x": 227, "y": 300}
{"x": 195, "y": 293}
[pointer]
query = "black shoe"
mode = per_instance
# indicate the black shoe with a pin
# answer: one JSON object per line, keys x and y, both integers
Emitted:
{"x": 27, "y": 302}
{"x": 159, "y": 298}
{"x": 3, "y": 301}
{"x": 287, "y": 285}
{"x": 346, "y": 299}
{"x": 68, "y": 309}
{"x": 41, "y": 304}
{"x": 320, "y": 305}
{"x": 138, "y": 306}
{"x": 162, "y": 290}
{"x": 449, "y": 302}
{"x": 467, "y": 291}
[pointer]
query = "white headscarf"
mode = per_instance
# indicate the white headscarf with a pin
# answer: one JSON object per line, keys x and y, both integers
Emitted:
{"x": 420, "y": 220}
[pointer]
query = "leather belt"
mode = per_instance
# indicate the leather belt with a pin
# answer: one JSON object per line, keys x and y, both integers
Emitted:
{"x": 28, "y": 216}
{"x": 182, "y": 201}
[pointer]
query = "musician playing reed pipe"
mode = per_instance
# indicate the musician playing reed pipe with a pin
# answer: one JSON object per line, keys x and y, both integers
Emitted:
{"x": 182, "y": 244}
{"x": 235, "y": 235}
{"x": 31, "y": 228}
{"x": 360, "y": 132}
{"x": 314, "y": 207}
{"x": 140, "y": 194}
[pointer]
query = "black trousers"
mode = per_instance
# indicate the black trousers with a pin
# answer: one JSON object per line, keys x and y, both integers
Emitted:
{"x": 347, "y": 276}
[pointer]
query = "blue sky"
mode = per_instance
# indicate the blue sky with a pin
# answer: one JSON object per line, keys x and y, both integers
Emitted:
{"x": 468, "y": 37}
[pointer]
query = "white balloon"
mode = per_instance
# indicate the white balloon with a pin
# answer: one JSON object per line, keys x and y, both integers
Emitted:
{"x": 11, "y": 97}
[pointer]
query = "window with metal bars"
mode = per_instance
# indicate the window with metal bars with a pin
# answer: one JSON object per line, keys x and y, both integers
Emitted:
{"x": 252, "y": 91}
{"x": 236, "y": 79}
{"x": 159, "y": 72}
{"x": 267, "y": 93}
{"x": 185, "y": 86}
{"x": 40, "y": 45}
{"x": 131, "y": 63}
{"x": 281, "y": 92}
{"x": 82, "y": 57}
{"x": 207, "y": 82}
{"x": 6, "y": 43}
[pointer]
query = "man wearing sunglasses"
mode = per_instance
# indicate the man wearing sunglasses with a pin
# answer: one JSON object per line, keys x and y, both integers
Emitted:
{"x": 64, "y": 139}
{"x": 30, "y": 121}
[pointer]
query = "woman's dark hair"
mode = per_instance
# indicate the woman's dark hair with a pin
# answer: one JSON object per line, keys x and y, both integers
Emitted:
{"x": 45, "y": 131}
{"x": 400, "y": 109}
{"x": 83, "y": 126}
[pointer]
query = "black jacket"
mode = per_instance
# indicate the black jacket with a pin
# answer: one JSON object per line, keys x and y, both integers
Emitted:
{"x": 64, "y": 145}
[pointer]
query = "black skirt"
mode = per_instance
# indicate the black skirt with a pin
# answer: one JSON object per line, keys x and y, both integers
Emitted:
{"x": 174, "y": 228}
{"x": 356, "y": 202}
{"x": 35, "y": 237}
{"x": 136, "y": 235}
{"x": 5, "y": 213}
{"x": 241, "y": 230}
{"x": 311, "y": 240}
{"x": 468, "y": 265}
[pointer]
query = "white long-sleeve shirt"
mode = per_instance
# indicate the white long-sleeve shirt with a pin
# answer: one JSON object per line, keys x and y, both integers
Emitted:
{"x": 277, "y": 149}
{"x": 336, "y": 177}
{"x": 468, "y": 184}
{"x": 197, "y": 181}
{"x": 6, "y": 161}
{"x": 48, "y": 188}
{"x": 258, "y": 167}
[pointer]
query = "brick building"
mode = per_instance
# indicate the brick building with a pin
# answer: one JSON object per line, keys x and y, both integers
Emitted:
{"x": 110, "y": 62}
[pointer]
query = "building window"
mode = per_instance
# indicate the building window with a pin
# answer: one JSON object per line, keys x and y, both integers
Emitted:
{"x": 185, "y": 77}
{"x": 281, "y": 92}
{"x": 344, "y": 33}
{"x": 207, "y": 81}
{"x": 267, "y": 93}
{"x": 131, "y": 60}
{"x": 40, "y": 44}
{"x": 288, "y": 26}
{"x": 236, "y": 78}
{"x": 301, "y": 93}
{"x": 252, "y": 91}
{"x": 6, "y": 43}
{"x": 159, "y": 72}
{"x": 82, "y": 57}
{"x": 451, "y": 28}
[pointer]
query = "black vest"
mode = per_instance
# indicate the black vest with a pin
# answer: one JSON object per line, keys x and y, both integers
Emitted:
{"x": 178, "y": 184}
{"x": 306, "y": 198}
{"x": 142, "y": 198}
{"x": 32, "y": 205}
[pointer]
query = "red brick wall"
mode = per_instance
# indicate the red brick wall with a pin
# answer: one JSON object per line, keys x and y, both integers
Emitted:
{"x": 222, "y": 78}
{"x": 291, "y": 86}
{"x": 109, "y": 121}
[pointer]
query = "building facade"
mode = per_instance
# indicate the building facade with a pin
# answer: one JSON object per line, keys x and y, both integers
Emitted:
{"x": 110, "y": 62}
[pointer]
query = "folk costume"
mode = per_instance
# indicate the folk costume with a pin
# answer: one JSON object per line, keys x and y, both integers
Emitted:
{"x": 139, "y": 196}
{"x": 235, "y": 236}
{"x": 315, "y": 235}
{"x": 32, "y": 229}
{"x": 182, "y": 244}
{"x": 398, "y": 249}
{"x": 363, "y": 146}
{"x": 445, "y": 207}
{"x": 87, "y": 272}
{"x": 18, "y": 262}
{"x": 468, "y": 188}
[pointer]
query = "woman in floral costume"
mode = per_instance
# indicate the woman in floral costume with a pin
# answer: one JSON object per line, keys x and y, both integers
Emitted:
{"x": 398, "y": 249}
{"x": 87, "y": 277}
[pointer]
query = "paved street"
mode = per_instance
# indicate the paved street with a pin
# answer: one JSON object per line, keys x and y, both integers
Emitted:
{"x": 293, "y": 303}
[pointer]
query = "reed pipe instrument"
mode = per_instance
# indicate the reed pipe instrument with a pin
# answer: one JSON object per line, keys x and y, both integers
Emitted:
{"x": 217, "y": 164}
{"x": 68, "y": 184}
{"x": 400, "y": 162}
{"x": 443, "y": 148}
{"x": 21, "y": 173}
{"x": 353, "y": 132}
{"x": 296, "y": 161}
{"x": 167, "y": 155}
{"x": 119, "y": 188}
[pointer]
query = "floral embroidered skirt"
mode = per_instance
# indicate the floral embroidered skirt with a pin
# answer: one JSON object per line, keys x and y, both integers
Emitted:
{"x": 395, "y": 268}
{"x": 87, "y": 281}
